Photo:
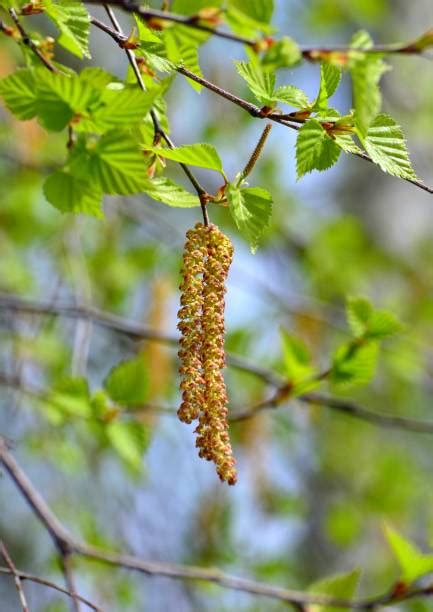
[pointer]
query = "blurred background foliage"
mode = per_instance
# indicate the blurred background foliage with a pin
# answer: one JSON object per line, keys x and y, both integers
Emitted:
{"x": 315, "y": 487}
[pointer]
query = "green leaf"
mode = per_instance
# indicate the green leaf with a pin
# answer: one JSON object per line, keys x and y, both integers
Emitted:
{"x": 19, "y": 93}
{"x": 354, "y": 363}
{"x": 123, "y": 107}
{"x": 127, "y": 383}
{"x": 73, "y": 21}
{"x": 70, "y": 194}
{"x": 289, "y": 94}
{"x": 297, "y": 358}
{"x": 366, "y": 70}
{"x": 341, "y": 586}
{"x": 423, "y": 42}
{"x": 201, "y": 155}
{"x": 314, "y": 148}
{"x": 244, "y": 24}
{"x": 182, "y": 48}
{"x": 284, "y": 53}
{"x": 260, "y": 82}
{"x": 164, "y": 190}
{"x": 61, "y": 97}
{"x": 413, "y": 563}
{"x": 386, "y": 146}
{"x": 114, "y": 162}
{"x": 130, "y": 440}
{"x": 259, "y": 10}
{"x": 369, "y": 323}
{"x": 330, "y": 77}
{"x": 70, "y": 397}
{"x": 251, "y": 209}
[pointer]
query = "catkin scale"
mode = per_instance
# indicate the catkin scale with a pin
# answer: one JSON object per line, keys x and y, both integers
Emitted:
{"x": 206, "y": 260}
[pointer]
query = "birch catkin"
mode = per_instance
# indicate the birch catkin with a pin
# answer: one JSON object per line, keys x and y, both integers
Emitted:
{"x": 207, "y": 257}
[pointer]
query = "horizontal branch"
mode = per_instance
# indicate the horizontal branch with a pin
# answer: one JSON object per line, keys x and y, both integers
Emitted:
{"x": 48, "y": 583}
{"x": 174, "y": 570}
{"x": 126, "y": 327}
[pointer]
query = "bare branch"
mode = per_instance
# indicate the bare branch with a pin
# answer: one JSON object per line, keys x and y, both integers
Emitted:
{"x": 51, "y": 585}
{"x": 29, "y": 43}
{"x": 17, "y": 579}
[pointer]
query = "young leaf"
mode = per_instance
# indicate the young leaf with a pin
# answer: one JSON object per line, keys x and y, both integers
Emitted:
{"x": 251, "y": 209}
{"x": 19, "y": 93}
{"x": 368, "y": 323}
{"x": 354, "y": 364}
{"x": 73, "y": 21}
{"x": 341, "y": 586}
{"x": 164, "y": 190}
{"x": 129, "y": 439}
{"x": 297, "y": 361}
{"x": 260, "y": 82}
{"x": 289, "y": 94}
{"x": 330, "y": 77}
{"x": 386, "y": 146}
{"x": 413, "y": 563}
{"x": 259, "y": 10}
{"x": 122, "y": 107}
{"x": 201, "y": 155}
{"x": 114, "y": 162}
{"x": 314, "y": 148}
{"x": 366, "y": 70}
{"x": 127, "y": 383}
{"x": 182, "y": 48}
{"x": 358, "y": 312}
{"x": 70, "y": 194}
{"x": 284, "y": 53}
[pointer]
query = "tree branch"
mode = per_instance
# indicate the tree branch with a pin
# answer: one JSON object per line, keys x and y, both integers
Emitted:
{"x": 17, "y": 579}
{"x": 51, "y": 585}
{"x": 29, "y": 43}
{"x": 173, "y": 570}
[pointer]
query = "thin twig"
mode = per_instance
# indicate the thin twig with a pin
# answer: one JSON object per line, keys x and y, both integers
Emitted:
{"x": 201, "y": 192}
{"x": 17, "y": 579}
{"x": 51, "y": 585}
{"x": 29, "y": 43}
{"x": 65, "y": 560}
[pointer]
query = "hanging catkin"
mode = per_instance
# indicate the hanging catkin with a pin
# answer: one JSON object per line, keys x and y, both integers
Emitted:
{"x": 207, "y": 257}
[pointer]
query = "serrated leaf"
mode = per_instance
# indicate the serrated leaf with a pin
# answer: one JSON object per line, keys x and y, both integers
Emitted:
{"x": 127, "y": 383}
{"x": 330, "y": 77}
{"x": 346, "y": 143}
{"x": 289, "y": 94}
{"x": 182, "y": 48}
{"x": 413, "y": 563}
{"x": 123, "y": 107}
{"x": 260, "y": 82}
{"x": 200, "y": 155}
{"x": 354, "y": 363}
{"x": 341, "y": 586}
{"x": 73, "y": 21}
{"x": 251, "y": 209}
{"x": 18, "y": 90}
{"x": 314, "y": 148}
{"x": 365, "y": 71}
{"x": 114, "y": 162}
{"x": 386, "y": 146}
{"x": 164, "y": 190}
{"x": 60, "y": 98}
{"x": 70, "y": 194}
{"x": 130, "y": 440}
{"x": 284, "y": 53}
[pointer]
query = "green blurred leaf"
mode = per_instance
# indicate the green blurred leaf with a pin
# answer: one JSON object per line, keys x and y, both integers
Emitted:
{"x": 251, "y": 209}
{"x": 330, "y": 77}
{"x": 284, "y": 53}
{"x": 130, "y": 440}
{"x": 413, "y": 563}
{"x": 354, "y": 363}
{"x": 341, "y": 586}
{"x": 127, "y": 383}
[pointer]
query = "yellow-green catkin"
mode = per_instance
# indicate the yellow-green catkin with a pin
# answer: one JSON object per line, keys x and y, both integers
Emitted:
{"x": 207, "y": 258}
